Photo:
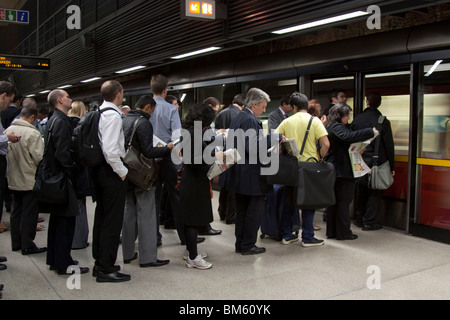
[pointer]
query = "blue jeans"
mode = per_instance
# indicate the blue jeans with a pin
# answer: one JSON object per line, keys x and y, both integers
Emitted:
{"x": 308, "y": 225}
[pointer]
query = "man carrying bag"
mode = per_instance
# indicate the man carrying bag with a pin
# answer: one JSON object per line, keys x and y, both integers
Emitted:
{"x": 299, "y": 126}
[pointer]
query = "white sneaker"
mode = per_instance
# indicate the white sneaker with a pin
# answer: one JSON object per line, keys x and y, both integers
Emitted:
{"x": 198, "y": 263}
{"x": 204, "y": 255}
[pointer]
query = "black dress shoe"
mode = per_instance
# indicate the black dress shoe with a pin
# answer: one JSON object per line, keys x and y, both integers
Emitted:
{"x": 3, "y": 259}
{"x": 211, "y": 232}
{"x": 114, "y": 277}
{"x": 83, "y": 270}
{"x": 95, "y": 270}
{"x": 158, "y": 263}
{"x": 254, "y": 250}
{"x": 351, "y": 237}
{"x": 31, "y": 251}
{"x": 371, "y": 227}
{"x": 1, "y": 287}
{"x": 3, "y": 267}
{"x": 128, "y": 261}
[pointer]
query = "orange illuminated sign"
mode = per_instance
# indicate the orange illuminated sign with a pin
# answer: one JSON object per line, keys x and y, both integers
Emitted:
{"x": 201, "y": 9}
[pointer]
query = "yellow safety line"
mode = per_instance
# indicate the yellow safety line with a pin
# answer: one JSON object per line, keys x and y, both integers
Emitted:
{"x": 433, "y": 162}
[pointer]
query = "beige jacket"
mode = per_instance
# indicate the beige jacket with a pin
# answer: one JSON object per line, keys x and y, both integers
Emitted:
{"x": 24, "y": 157}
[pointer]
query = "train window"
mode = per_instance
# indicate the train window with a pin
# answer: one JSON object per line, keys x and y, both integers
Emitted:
{"x": 436, "y": 122}
{"x": 324, "y": 87}
{"x": 394, "y": 87}
{"x": 275, "y": 88}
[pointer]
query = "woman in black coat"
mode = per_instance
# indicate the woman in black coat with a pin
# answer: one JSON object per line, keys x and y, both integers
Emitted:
{"x": 195, "y": 186}
{"x": 341, "y": 137}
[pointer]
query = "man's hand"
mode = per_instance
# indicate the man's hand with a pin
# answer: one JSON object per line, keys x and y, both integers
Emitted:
{"x": 14, "y": 138}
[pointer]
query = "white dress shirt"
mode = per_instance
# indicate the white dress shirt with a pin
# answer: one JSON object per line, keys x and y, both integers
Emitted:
{"x": 112, "y": 139}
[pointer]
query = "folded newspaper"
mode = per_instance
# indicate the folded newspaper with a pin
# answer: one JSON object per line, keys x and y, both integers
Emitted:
{"x": 230, "y": 158}
{"x": 291, "y": 147}
{"x": 359, "y": 166}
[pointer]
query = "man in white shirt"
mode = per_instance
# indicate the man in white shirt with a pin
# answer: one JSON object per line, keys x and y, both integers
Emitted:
{"x": 110, "y": 187}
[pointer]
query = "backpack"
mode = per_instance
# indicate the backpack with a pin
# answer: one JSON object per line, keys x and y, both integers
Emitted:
{"x": 86, "y": 148}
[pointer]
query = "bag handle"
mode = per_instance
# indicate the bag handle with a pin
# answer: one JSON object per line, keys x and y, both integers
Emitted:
{"x": 306, "y": 136}
{"x": 376, "y": 155}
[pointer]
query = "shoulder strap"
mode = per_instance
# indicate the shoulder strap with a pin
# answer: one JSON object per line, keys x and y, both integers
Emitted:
{"x": 376, "y": 154}
{"x": 109, "y": 109}
{"x": 50, "y": 131}
{"x": 134, "y": 131}
{"x": 306, "y": 136}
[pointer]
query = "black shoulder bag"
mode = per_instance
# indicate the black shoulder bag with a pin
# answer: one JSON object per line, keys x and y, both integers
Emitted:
{"x": 50, "y": 188}
{"x": 316, "y": 180}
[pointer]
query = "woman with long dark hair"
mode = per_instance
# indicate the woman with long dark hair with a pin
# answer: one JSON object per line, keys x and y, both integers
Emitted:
{"x": 341, "y": 137}
{"x": 195, "y": 186}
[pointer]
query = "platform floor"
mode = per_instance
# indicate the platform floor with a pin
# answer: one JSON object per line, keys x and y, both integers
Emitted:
{"x": 410, "y": 269}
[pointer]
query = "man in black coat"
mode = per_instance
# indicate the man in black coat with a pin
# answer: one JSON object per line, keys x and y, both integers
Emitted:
{"x": 368, "y": 200}
{"x": 61, "y": 229}
{"x": 227, "y": 200}
{"x": 244, "y": 178}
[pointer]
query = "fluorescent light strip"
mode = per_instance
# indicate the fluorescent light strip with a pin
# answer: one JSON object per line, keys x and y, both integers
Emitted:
{"x": 131, "y": 69}
{"x": 433, "y": 68}
{"x": 91, "y": 80}
{"x": 190, "y": 54}
{"x": 31, "y": 95}
{"x": 322, "y": 22}
{"x": 45, "y": 91}
{"x": 65, "y": 87}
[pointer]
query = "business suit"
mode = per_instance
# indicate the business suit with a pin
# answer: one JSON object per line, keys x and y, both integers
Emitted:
{"x": 276, "y": 118}
{"x": 227, "y": 200}
{"x": 245, "y": 180}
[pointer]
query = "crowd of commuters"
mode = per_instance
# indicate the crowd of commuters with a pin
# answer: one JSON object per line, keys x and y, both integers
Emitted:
{"x": 125, "y": 213}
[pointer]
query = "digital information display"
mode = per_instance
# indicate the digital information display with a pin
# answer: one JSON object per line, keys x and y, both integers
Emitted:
{"x": 23, "y": 63}
{"x": 200, "y": 9}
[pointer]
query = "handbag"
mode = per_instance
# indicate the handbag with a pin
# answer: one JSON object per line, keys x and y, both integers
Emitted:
{"x": 315, "y": 189}
{"x": 315, "y": 182}
{"x": 380, "y": 177}
{"x": 50, "y": 188}
{"x": 142, "y": 171}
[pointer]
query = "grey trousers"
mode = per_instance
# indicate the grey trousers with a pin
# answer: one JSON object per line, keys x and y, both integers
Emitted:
{"x": 139, "y": 223}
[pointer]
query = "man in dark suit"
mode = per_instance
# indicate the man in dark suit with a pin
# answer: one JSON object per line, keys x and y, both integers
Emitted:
{"x": 336, "y": 96}
{"x": 227, "y": 200}
{"x": 280, "y": 114}
{"x": 368, "y": 200}
{"x": 244, "y": 179}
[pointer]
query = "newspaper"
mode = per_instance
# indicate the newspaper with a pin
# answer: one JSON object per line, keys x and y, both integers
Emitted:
{"x": 359, "y": 166}
{"x": 291, "y": 147}
{"x": 230, "y": 158}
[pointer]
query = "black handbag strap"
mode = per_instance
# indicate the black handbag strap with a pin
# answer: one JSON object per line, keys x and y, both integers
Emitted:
{"x": 376, "y": 155}
{"x": 134, "y": 131}
{"x": 50, "y": 132}
{"x": 306, "y": 136}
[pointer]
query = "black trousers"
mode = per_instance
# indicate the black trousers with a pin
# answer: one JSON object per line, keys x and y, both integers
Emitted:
{"x": 250, "y": 210}
{"x": 367, "y": 202}
{"x": 24, "y": 218}
{"x": 168, "y": 174}
{"x": 59, "y": 241}
{"x": 227, "y": 205}
{"x": 338, "y": 217}
{"x": 110, "y": 192}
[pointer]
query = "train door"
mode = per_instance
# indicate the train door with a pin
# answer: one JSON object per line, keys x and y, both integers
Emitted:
{"x": 394, "y": 87}
{"x": 431, "y": 217}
